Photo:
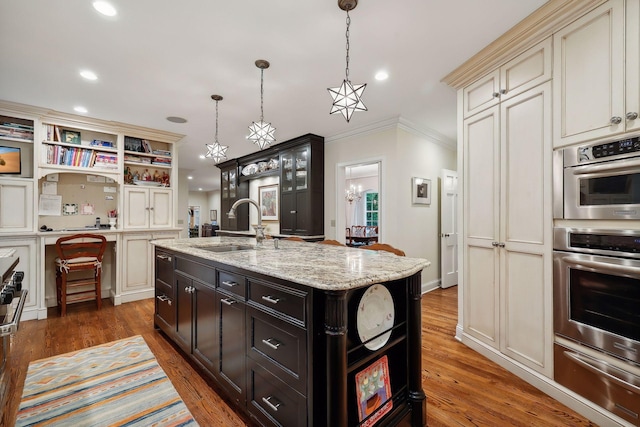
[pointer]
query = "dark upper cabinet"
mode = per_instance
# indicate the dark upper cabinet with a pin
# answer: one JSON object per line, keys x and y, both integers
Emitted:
{"x": 231, "y": 189}
{"x": 299, "y": 165}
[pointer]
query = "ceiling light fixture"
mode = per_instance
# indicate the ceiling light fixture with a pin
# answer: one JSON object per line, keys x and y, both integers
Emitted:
{"x": 346, "y": 98}
{"x": 353, "y": 193}
{"x": 80, "y": 109}
{"x": 104, "y": 8}
{"x": 216, "y": 151}
{"x": 262, "y": 133}
{"x": 89, "y": 75}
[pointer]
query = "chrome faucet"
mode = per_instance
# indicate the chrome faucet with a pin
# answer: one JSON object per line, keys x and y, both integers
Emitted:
{"x": 259, "y": 228}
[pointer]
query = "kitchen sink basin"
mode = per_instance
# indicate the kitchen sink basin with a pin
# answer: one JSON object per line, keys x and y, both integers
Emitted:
{"x": 226, "y": 248}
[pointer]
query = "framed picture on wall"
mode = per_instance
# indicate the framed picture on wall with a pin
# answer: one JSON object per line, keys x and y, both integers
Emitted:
{"x": 268, "y": 202}
{"x": 213, "y": 215}
{"x": 421, "y": 191}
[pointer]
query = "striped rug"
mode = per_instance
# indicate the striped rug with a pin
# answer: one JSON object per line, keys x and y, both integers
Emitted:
{"x": 115, "y": 384}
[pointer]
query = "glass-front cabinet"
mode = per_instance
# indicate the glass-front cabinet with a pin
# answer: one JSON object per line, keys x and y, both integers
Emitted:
{"x": 231, "y": 190}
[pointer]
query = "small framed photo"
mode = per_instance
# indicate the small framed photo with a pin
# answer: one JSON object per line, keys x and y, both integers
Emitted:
{"x": 269, "y": 202}
{"x": 213, "y": 215}
{"x": 421, "y": 191}
{"x": 70, "y": 136}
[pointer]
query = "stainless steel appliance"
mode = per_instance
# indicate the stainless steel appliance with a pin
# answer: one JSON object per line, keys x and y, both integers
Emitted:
{"x": 12, "y": 300}
{"x": 598, "y": 181}
{"x": 596, "y": 280}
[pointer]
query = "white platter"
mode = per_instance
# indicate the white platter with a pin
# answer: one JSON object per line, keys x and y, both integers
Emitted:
{"x": 375, "y": 315}
{"x": 148, "y": 183}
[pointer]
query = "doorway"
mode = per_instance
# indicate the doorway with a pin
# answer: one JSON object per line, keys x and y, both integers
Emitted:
{"x": 194, "y": 221}
{"x": 362, "y": 205}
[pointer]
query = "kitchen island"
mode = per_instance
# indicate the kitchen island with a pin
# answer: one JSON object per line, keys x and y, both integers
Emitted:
{"x": 299, "y": 335}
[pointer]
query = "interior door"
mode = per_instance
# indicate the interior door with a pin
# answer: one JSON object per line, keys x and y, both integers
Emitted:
{"x": 448, "y": 229}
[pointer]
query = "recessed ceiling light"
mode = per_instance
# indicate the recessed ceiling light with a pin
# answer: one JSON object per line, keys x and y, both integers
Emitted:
{"x": 202, "y": 156}
{"x": 382, "y": 75}
{"x": 175, "y": 119}
{"x": 189, "y": 177}
{"x": 105, "y": 8}
{"x": 89, "y": 75}
{"x": 80, "y": 109}
{"x": 200, "y": 189}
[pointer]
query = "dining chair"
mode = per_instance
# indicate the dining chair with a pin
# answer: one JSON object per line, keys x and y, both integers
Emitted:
{"x": 348, "y": 236}
{"x": 76, "y": 254}
{"x": 383, "y": 247}
{"x": 330, "y": 242}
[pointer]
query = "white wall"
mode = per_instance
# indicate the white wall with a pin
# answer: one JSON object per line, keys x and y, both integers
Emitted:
{"x": 404, "y": 153}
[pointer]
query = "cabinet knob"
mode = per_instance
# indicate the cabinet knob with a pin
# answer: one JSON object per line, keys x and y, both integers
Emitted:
{"x": 445, "y": 235}
{"x": 503, "y": 91}
{"x": 496, "y": 94}
{"x": 615, "y": 120}
{"x": 501, "y": 245}
{"x": 292, "y": 212}
{"x": 494, "y": 244}
{"x": 631, "y": 115}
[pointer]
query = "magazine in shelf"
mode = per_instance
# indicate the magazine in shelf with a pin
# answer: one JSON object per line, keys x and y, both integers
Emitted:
{"x": 373, "y": 392}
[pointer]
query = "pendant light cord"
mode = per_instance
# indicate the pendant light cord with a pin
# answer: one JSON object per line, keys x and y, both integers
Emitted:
{"x": 347, "y": 35}
{"x": 262, "y": 94}
{"x": 216, "y": 121}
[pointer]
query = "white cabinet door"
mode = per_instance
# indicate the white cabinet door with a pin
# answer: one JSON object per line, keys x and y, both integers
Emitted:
{"x": 481, "y": 225}
{"x": 525, "y": 71}
{"x": 525, "y": 229}
{"x": 589, "y": 76}
{"x": 632, "y": 62}
{"x": 160, "y": 208}
{"x": 25, "y": 247}
{"x": 16, "y": 205}
{"x": 136, "y": 207}
{"x": 137, "y": 274}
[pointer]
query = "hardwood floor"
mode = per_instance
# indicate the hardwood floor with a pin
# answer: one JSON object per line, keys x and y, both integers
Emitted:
{"x": 462, "y": 387}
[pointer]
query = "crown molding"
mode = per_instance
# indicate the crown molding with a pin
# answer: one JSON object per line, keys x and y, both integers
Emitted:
{"x": 393, "y": 124}
{"x": 541, "y": 24}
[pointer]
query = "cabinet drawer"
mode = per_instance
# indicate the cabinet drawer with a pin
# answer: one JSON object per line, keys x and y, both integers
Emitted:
{"x": 272, "y": 401}
{"x": 287, "y": 301}
{"x": 164, "y": 266}
{"x": 280, "y": 346}
{"x": 234, "y": 283}
{"x": 196, "y": 270}
{"x": 163, "y": 288}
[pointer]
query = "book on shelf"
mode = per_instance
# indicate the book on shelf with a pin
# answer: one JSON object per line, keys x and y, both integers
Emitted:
{"x": 373, "y": 392}
{"x": 158, "y": 152}
{"x": 101, "y": 143}
{"x": 13, "y": 130}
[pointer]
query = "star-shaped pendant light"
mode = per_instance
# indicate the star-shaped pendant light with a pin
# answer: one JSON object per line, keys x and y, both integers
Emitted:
{"x": 216, "y": 151}
{"x": 347, "y": 97}
{"x": 262, "y": 133}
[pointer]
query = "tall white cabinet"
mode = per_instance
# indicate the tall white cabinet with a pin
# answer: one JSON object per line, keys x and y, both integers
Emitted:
{"x": 507, "y": 252}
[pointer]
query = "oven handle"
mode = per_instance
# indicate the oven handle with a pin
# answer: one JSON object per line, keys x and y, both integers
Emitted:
{"x": 583, "y": 361}
{"x": 609, "y": 166}
{"x": 12, "y": 327}
{"x": 601, "y": 265}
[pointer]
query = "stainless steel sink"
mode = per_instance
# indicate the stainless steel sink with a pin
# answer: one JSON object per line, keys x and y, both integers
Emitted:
{"x": 226, "y": 248}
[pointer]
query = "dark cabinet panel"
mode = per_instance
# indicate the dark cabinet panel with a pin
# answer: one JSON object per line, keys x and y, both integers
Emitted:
{"x": 185, "y": 311}
{"x": 232, "y": 367}
{"x": 165, "y": 307}
{"x": 205, "y": 321}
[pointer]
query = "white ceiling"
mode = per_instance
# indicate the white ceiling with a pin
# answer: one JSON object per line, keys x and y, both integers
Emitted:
{"x": 156, "y": 59}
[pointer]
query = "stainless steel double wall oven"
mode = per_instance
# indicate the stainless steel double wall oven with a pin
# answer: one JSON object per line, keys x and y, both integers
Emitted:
{"x": 596, "y": 274}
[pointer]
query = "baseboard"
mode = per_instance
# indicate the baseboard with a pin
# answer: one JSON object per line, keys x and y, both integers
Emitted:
{"x": 430, "y": 286}
{"x": 584, "y": 407}
{"x": 136, "y": 296}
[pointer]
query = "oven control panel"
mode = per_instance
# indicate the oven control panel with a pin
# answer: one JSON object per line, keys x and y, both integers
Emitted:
{"x": 606, "y": 242}
{"x": 609, "y": 149}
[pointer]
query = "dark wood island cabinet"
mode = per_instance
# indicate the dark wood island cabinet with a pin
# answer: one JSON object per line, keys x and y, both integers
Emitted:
{"x": 291, "y": 347}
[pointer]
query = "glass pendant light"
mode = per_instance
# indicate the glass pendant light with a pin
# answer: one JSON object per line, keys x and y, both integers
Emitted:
{"x": 216, "y": 151}
{"x": 262, "y": 133}
{"x": 347, "y": 97}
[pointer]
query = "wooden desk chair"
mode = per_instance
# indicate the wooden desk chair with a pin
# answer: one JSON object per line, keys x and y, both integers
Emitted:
{"x": 383, "y": 247}
{"x": 331, "y": 242}
{"x": 79, "y": 253}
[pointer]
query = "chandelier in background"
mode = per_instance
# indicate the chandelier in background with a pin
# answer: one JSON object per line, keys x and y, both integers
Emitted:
{"x": 262, "y": 133}
{"x": 353, "y": 193}
{"x": 347, "y": 97}
{"x": 216, "y": 151}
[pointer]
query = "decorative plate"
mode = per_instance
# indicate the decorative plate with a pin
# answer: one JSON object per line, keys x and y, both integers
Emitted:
{"x": 274, "y": 164}
{"x": 70, "y": 209}
{"x": 375, "y": 315}
{"x": 250, "y": 169}
{"x": 262, "y": 166}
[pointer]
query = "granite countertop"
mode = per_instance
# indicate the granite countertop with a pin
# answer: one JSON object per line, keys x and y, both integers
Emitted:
{"x": 317, "y": 265}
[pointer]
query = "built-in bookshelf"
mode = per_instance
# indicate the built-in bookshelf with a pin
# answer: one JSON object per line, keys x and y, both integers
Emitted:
{"x": 16, "y": 147}
{"x": 71, "y": 149}
{"x": 147, "y": 160}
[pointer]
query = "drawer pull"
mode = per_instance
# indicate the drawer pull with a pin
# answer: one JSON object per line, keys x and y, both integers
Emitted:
{"x": 272, "y": 343}
{"x": 229, "y": 283}
{"x": 269, "y": 298}
{"x": 228, "y": 301}
{"x": 164, "y": 298}
{"x": 164, "y": 257}
{"x": 267, "y": 400}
